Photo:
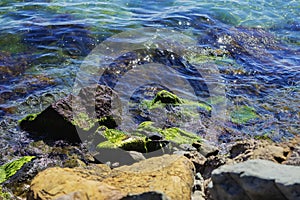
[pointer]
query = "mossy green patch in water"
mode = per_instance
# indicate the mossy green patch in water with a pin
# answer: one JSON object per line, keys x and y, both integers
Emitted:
{"x": 148, "y": 126}
{"x": 12, "y": 43}
{"x": 243, "y": 114}
{"x": 263, "y": 137}
{"x": 29, "y": 117}
{"x": 164, "y": 97}
{"x": 115, "y": 136}
{"x": 83, "y": 121}
{"x": 173, "y": 134}
{"x": 9, "y": 169}
{"x": 119, "y": 139}
{"x": 180, "y": 136}
{"x": 4, "y": 195}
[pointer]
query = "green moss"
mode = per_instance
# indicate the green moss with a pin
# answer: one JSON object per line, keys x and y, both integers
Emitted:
{"x": 29, "y": 117}
{"x": 217, "y": 100}
{"x": 9, "y": 169}
{"x": 4, "y": 195}
{"x": 179, "y": 136}
{"x": 126, "y": 141}
{"x": 83, "y": 121}
{"x": 164, "y": 97}
{"x": 135, "y": 144}
{"x": 106, "y": 144}
{"x": 263, "y": 137}
{"x": 12, "y": 43}
{"x": 243, "y": 114}
{"x": 173, "y": 134}
{"x": 148, "y": 127}
{"x": 193, "y": 104}
{"x": 115, "y": 136}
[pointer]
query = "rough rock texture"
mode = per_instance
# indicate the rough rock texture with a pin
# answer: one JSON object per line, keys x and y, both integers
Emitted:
{"x": 294, "y": 156}
{"x": 259, "y": 149}
{"x": 170, "y": 174}
{"x": 93, "y": 106}
{"x": 256, "y": 179}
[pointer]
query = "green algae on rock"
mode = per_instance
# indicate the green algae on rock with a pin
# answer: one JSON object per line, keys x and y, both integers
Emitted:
{"x": 4, "y": 195}
{"x": 174, "y": 134}
{"x": 119, "y": 139}
{"x": 180, "y": 136}
{"x": 243, "y": 114}
{"x": 164, "y": 97}
{"x": 9, "y": 169}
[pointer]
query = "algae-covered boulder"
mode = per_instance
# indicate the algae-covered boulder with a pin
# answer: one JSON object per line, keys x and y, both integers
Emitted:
{"x": 117, "y": 140}
{"x": 83, "y": 113}
{"x": 9, "y": 169}
{"x": 170, "y": 110}
{"x": 164, "y": 98}
{"x": 173, "y": 134}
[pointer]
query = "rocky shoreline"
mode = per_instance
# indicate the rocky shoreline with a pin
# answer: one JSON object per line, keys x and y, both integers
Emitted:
{"x": 85, "y": 156}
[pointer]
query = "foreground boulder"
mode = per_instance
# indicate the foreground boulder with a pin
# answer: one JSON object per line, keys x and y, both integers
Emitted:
{"x": 256, "y": 179}
{"x": 171, "y": 175}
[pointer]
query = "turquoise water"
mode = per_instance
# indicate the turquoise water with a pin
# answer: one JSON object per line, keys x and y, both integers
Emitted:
{"x": 43, "y": 44}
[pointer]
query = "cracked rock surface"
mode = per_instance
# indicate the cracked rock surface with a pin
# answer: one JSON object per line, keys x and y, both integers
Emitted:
{"x": 256, "y": 179}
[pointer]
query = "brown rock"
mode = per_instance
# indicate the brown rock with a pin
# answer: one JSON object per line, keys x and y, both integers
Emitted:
{"x": 259, "y": 149}
{"x": 172, "y": 175}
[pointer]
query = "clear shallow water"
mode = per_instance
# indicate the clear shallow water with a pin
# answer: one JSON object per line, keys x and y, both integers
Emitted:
{"x": 43, "y": 43}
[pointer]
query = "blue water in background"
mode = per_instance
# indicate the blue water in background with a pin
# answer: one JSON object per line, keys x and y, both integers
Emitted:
{"x": 43, "y": 43}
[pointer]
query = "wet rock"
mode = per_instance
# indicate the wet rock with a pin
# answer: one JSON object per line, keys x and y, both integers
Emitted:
{"x": 206, "y": 149}
{"x": 250, "y": 41}
{"x": 13, "y": 65}
{"x": 168, "y": 110}
{"x": 166, "y": 98}
{"x": 132, "y": 59}
{"x": 9, "y": 169}
{"x": 137, "y": 156}
{"x": 170, "y": 174}
{"x": 119, "y": 139}
{"x": 174, "y": 134}
{"x": 69, "y": 116}
{"x": 256, "y": 179}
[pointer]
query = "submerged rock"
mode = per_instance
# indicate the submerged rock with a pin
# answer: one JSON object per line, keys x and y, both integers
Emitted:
{"x": 168, "y": 110}
{"x": 171, "y": 175}
{"x": 256, "y": 179}
{"x": 243, "y": 114}
{"x": 72, "y": 37}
